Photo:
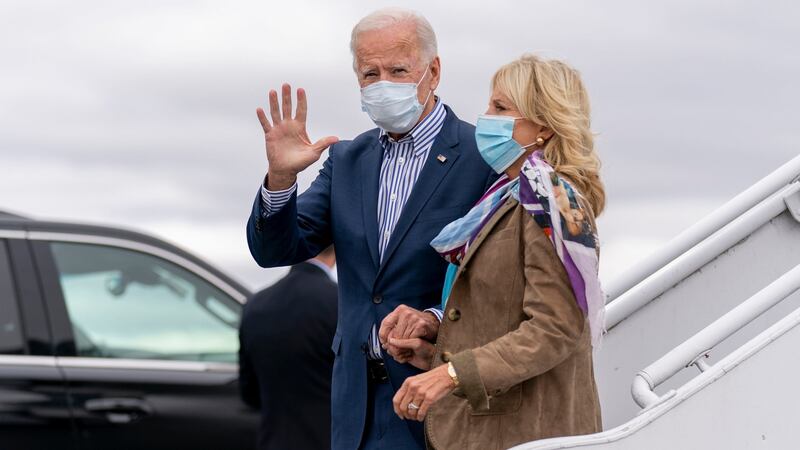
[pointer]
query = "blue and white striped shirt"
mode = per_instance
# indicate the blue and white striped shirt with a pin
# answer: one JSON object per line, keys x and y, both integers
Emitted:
{"x": 402, "y": 163}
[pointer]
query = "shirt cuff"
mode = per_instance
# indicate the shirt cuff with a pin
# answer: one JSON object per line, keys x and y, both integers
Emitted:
{"x": 273, "y": 201}
{"x": 436, "y": 312}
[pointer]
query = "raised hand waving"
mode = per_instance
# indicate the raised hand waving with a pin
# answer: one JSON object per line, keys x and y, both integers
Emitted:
{"x": 289, "y": 149}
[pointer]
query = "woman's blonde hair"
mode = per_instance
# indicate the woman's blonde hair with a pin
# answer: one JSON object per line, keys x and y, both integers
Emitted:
{"x": 551, "y": 94}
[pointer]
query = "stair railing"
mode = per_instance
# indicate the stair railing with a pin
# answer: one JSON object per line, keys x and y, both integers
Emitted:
{"x": 696, "y": 349}
{"x": 695, "y": 234}
{"x": 703, "y": 253}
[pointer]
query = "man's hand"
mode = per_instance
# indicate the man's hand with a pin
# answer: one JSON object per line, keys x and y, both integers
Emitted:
{"x": 423, "y": 391}
{"x": 289, "y": 150}
{"x": 408, "y": 323}
{"x": 417, "y": 352}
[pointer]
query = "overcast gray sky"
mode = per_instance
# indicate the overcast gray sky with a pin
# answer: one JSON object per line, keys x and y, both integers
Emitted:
{"x": 141, "y": 114}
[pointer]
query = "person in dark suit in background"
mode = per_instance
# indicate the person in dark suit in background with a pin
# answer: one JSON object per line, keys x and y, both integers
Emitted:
{"x": 285, "y": 357}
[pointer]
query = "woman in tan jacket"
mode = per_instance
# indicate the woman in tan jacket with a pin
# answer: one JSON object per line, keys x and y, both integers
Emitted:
{"x": 522, "y": 306}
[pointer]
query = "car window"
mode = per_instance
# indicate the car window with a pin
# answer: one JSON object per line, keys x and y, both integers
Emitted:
{"x": 126, "y": 304}
{"x": 11, "y": 340}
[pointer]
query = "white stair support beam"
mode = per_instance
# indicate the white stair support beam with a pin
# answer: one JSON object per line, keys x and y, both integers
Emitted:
{"x": 701, "y": 365}
{"x": 793, "y": 205}
{"x": 770, "y": 184}
{"x": 700, "y": 361}
{"x": 642, "y": 391}
{"x": 686, "y": 353}
{"x": 668, "y": 403}
{"x": 698, "y": 256}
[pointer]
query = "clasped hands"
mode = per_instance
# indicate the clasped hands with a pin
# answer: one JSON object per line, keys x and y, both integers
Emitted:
{"x": 407, "y": 335}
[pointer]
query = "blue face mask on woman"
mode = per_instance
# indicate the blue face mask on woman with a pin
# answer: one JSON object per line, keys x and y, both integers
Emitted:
{"x": 393, "y": 106}
{"x": 493, "y": 134}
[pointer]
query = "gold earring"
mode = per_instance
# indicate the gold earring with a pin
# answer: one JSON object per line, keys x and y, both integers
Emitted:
{"x": 539, "y": 141}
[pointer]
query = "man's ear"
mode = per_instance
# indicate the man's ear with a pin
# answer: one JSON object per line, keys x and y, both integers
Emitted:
{"x": 436, "y": 71}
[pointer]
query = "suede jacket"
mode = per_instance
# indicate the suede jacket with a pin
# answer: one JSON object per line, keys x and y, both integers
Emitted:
{"x": 518, "y": 341}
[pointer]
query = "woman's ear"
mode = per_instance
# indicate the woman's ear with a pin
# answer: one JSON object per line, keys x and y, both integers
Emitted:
{"x": 545, "y": 133}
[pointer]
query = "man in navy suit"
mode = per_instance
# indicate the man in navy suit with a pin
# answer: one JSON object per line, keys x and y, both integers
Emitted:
{"x": 380, "y": 199}
{"x": 285, "y": 368}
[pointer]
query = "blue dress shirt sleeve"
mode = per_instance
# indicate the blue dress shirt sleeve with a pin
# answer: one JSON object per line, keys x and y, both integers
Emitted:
{"x": 436, "y": 312}
{"x": 274, "y": 201}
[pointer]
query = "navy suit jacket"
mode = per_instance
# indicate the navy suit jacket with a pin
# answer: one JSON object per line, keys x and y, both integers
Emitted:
{"x": 341, "y": 208}
{"x": 285, "y": 369}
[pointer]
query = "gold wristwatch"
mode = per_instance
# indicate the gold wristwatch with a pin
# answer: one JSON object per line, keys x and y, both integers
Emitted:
{"x": 452, "y": 372}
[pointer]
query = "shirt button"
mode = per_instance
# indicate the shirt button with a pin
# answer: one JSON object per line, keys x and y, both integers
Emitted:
{"x": 377, "y": 299}
{"x": 446, "y": 356}
{"x": 401, "y": 160}
{"x": 393, "y": 197}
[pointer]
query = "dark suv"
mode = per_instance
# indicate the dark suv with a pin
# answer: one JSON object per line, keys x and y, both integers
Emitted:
{"x": 111, "y": 339}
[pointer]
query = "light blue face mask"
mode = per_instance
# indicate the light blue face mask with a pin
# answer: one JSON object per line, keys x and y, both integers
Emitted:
{"x": 493, "y": 134}
{"x": 393, "y": 106}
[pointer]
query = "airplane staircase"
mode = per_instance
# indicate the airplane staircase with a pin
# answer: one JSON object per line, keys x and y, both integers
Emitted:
{"x": 704, "y": 333}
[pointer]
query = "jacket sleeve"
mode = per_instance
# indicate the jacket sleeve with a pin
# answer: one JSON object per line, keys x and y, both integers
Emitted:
{"x": 551, "y": 332}
{"x": 299, "y": 230}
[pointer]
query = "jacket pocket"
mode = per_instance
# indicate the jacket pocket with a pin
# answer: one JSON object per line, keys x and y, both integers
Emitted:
{"x": 506, "y": 403}
{"x": 337, "y": 343}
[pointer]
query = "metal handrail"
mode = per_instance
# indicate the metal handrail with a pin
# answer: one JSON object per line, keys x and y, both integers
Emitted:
{"x": 695, "y": 349}
{"x": 668, "y": 403}
{"x": 698, "y": 256}
{"x": 737, "y": 206}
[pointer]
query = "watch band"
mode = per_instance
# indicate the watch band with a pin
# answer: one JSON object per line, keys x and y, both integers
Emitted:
{"x": 452, "y": 372}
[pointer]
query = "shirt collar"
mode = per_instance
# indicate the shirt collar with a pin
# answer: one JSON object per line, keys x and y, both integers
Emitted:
{"x": 328, "y": 271}
{"x": 421, "y": 129}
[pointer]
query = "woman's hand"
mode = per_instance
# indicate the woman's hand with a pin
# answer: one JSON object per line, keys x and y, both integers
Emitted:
{"x": 423, "y": 391}
{"x": 407, "y": 325}
{"x": 406, "y": 322}
{"x": 417, "y": 352}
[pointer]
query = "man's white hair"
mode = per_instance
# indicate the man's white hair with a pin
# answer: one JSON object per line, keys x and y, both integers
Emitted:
{"x": 386, "y": 17}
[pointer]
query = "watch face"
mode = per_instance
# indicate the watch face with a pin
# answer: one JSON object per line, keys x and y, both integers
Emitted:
{"x": 452, "y": 372}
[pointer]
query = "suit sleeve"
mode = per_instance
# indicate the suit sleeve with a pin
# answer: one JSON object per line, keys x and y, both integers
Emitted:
{"x": 248, "y": 382}
{"x": 296, "y": 232}
{"x": 551, "y": 333}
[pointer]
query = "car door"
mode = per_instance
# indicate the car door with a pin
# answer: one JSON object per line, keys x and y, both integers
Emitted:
{"x": 34, "y": 409}
{"x": 148, "y": 347}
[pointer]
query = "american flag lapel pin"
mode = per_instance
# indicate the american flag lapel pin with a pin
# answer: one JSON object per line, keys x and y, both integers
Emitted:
{"x": 441, "y": 158}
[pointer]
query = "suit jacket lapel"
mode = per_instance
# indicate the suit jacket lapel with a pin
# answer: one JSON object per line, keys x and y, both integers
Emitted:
{"x": 371, "y": 170}
{"x": 432, "y": 174}
{"x": 507, "y": 206}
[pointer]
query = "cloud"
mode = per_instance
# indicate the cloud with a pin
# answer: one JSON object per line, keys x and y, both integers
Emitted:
{"x": 142, "y": 113}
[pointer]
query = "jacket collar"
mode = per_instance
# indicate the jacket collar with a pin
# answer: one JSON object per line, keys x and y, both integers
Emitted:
{"x": 507, "y": 206}
{"x": 307, "y": 267}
